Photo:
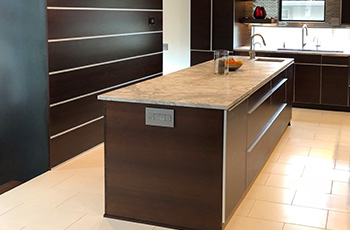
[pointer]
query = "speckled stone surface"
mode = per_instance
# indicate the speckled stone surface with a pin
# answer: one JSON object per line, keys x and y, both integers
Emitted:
{"x": 199, "y": 87}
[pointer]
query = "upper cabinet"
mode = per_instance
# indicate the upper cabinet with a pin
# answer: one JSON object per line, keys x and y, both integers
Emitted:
{"x": 345, "y": 16}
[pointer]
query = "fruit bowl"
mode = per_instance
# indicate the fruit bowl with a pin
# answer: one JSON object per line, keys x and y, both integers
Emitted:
{"x": 234, "y": 66}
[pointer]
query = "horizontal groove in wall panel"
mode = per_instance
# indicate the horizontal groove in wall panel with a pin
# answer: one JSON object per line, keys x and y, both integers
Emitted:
{"x": 71, "y": 54}
{"x": 136, "y": 4}
{"x": 76, "y": 83}
{"x": 75, "y": 23}
{"x": 74, "y": 113}
{"x": 73, "y": 143}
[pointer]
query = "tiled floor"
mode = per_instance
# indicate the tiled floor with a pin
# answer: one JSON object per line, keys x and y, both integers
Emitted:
{"x": 305, "y": 185}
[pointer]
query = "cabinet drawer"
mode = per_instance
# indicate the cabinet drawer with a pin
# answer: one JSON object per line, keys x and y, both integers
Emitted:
{"x": 306, "y": 58}
{"x": 279, "y": 97}
{"x": 335, "y": 60}
{"x": 256, "y": 98}
{"x": 257, "y": 121}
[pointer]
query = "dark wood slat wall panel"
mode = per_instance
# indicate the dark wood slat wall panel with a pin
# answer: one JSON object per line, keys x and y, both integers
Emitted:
{"x": 69, "y": 145}
{"x": 77, "y": 22}
{"x": 80, "y": 23}
{"x": 75, "y": 83}
{"x": 75, "y": 53}
{"x": 74, "y": 113}
{"x": 135, "y": 4}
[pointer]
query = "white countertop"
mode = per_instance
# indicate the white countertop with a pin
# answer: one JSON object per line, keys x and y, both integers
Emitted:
{"x": 199, "y": 87}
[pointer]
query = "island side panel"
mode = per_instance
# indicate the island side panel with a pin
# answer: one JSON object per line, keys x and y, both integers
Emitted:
{"x": 236, "y": 157}
{"x": 164, "y": 176}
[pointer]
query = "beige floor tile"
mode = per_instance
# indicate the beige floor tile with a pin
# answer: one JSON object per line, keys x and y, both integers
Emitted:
{"x": 342, "y": 165}
{"x": 84, "y": 202}
{"x": 272, "y": 194}
{"x": 245, "y": 207}
{"x": 297, "y": 227}
{"x": 306, "y": 161}
{"x": 329, "y": 153}
{"x": 338, "y": 221}
{"x": 341, "y": 189}
{"x": 322, "y": 201}
{"x": 289, "y": 214}
{"x": 313, "y": 143}
{"x": 283, "y": 169}
{"x": 8, "y": 202}
{"x": 80, "y": 183}
{"x": 327, "y": 174}
{"x": 294, "y": 149}
{"x": 300, "y": 133}
{"x": 344, "y": 147}
{"x": 11, "y": 226}
{"x": 97, "y": 222}
{"x": 303, "y": 124}
{"x": 327, "y": 137}
{"x": 41, "y": 218}
{"x": 299, "y": 183}
{"x": 331, "y": 126}
{"x": 262, "y": 178}
{"x": 246, "y": 223}
{"x": 331, "y": 118}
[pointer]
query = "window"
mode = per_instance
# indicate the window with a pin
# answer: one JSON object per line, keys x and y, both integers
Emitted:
{"x": 302, "y": 10}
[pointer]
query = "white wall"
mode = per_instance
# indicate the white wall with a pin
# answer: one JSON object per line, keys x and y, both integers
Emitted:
{"x": 176, "y": 32}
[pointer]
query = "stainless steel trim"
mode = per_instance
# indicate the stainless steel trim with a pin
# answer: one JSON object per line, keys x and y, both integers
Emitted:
{"x": 106, "y": 89}
{"x": 76, "y": 127}
{"x": 103, "y": 63}
{"x": 224, "y": 169}
{"x": 102, "y": 9}
{"x": 208, "y": 51}
{"x": 211, "y": 24}
{"x": 330, "y": 65}
{"x": 103, "y": 36}
{"x": 267, "y": 127}
{"x": 262, "y": 100}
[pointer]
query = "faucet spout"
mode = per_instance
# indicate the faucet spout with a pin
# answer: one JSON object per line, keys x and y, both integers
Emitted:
{"x": 252, "y": 45}
{"x": 304, "y": 28}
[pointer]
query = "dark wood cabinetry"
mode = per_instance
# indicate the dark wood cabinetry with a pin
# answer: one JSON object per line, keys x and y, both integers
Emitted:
{"x": 345, "y": 12}
{"x": 212, "y": 23}
{"x": 307, "y": 84}
{"x": 334, "y": 86}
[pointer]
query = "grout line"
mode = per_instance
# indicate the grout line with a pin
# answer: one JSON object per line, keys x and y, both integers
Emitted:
{"x": 12, "y": 208}
{"x": 295, "y": 193}
{"x": 67, "y": 199}
{"x": 331, "y": 192}
{"x": 327, "y": 220}
{"x": 76, "y": 221}
{"x": 53, "y": 186}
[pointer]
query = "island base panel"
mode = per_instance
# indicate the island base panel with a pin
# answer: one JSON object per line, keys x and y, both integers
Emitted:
{"x": 165, "y": 176}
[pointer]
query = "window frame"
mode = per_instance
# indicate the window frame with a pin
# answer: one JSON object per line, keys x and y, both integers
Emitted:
{"x": 280, "y": 14}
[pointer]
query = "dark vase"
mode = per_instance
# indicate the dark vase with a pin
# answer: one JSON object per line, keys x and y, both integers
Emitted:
{"x": 259, "y": 12}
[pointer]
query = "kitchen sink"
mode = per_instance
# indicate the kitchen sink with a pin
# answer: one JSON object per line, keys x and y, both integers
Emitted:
{"x": 308, "y": 50}
{"x": 270, "y": 59}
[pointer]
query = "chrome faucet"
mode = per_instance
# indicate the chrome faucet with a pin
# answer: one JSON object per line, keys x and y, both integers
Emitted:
{"x": 252, "y": 45}
{"x": 303, "y": 43}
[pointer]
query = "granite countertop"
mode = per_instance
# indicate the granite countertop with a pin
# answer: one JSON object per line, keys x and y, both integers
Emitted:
{"x": 199, "y": 87}
{"x": 346, "y": 53}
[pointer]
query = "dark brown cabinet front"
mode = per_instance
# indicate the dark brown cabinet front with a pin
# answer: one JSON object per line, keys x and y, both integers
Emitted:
{"x": 307, "y": 84}
{"x": 334, "y": 85}
{"x": 345, "y": 17}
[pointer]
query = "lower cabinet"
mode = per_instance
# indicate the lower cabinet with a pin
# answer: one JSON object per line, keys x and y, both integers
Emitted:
{"x": 307, "y": 84}
{"x": 268, "y": 118}
{"x": 334, "y": 89}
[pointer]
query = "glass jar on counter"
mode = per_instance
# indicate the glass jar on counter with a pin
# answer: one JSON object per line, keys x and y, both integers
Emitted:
{"x": 221, "y": 62}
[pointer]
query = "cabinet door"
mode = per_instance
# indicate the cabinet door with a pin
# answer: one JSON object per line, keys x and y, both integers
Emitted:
{"x": 345, "y": 17}
{"x": 200, "y": 24}
{"x": 307, "y": 84}
{"x": 334, "y": 85}
{"x": 223, "y": 18}
{"x": 198, "y": 57}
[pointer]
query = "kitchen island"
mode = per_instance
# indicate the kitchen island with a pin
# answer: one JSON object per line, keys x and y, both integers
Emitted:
{"x": 181, "y": 150}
